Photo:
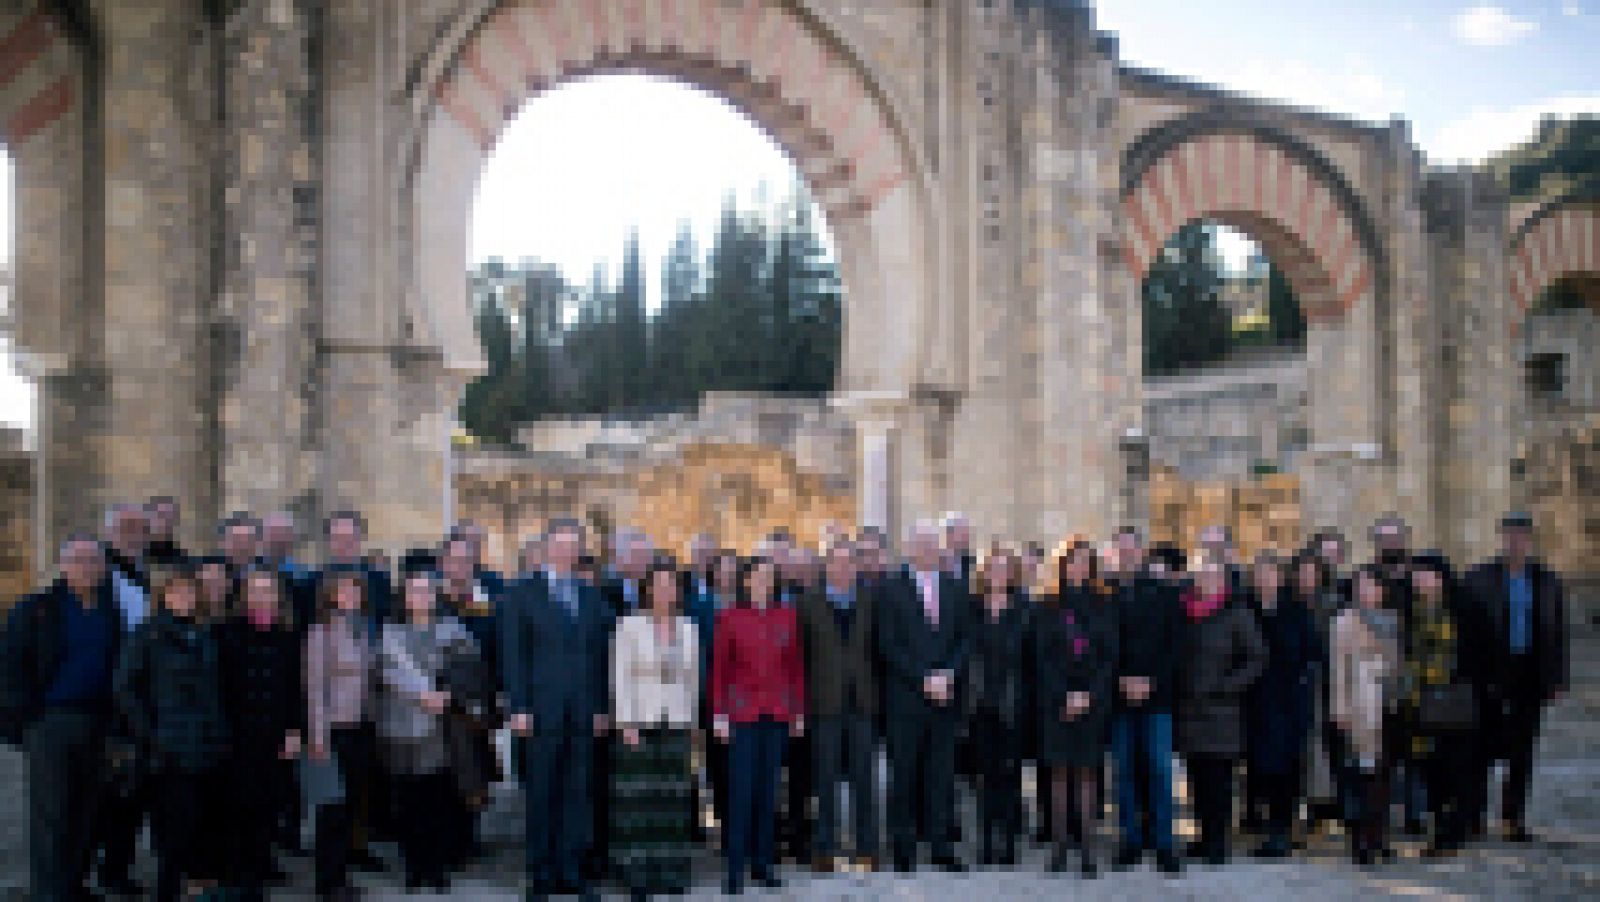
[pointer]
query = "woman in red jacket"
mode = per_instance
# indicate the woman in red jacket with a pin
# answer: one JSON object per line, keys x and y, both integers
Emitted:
{"x": 757, "y": 699}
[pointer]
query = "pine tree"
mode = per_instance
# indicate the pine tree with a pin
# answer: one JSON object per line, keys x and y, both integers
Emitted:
{"x": 1185, "y": 322}
{"x": 488, "y": 406}
{"x": 805, "y": 300}
{"x": 1286, "y": 320}
{"x": 628, "y": 330}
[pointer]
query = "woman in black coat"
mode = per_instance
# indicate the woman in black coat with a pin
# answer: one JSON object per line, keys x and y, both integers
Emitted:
{"x": 1278, "y": 705}
{"x": 1222, "y": 654}
{"x": 1075, "y": 655}
{"x": 998, "y": 701}
{"x": 168, "y": 690}
{"x": 265, "y": 705}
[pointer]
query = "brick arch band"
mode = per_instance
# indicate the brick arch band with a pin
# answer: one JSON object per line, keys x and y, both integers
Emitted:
{"x": 39, "y": 75}
{"x": 1562, "y": 238}
{"x": 785, "y": 76}
{"x": 1265, "y": 183}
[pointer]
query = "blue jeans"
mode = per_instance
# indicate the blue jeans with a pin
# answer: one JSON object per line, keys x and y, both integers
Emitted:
{"x": 1142, "y": 741}
{"x": 755, "y": 763}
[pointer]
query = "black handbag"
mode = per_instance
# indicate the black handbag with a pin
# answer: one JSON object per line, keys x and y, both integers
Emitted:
{"x": 1450, "y": 708}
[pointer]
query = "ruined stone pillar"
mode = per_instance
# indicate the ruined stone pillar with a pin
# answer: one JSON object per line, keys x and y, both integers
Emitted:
{"x": 267, "y": 317}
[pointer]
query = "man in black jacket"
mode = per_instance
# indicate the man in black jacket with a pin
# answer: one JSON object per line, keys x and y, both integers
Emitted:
{"x": 59, "y": 654}
{"x": 1520, "y": 608}
{"x": 924, "y": 637}
{"x": 1141, "y": 733}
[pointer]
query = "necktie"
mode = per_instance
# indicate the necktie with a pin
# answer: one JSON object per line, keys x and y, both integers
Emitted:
{"x": 930, "y": 600}
{"x": 566, "y": 590}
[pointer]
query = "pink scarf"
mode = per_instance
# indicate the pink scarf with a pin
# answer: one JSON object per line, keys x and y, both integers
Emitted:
{"x": 1199, "y": 606}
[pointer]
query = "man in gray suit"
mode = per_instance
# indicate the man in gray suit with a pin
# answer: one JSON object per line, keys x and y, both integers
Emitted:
{"x": 555, "y": 635}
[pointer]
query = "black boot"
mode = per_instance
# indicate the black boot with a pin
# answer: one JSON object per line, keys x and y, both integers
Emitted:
{"x": 1060, "y": 858}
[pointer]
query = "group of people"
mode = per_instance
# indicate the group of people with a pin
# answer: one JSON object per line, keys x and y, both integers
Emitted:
{"x": 651, "y": 704}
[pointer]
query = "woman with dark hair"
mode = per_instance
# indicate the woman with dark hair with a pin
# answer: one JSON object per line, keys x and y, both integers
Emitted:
{"x": 998, "y": 700}
{"x": 757, "y": 701}
{"x": 339, "y": 658}
{"x": 1440, "y": 704}
{"x": 168, "y": 689}
{"x": 655, "y": 690}
{"x": 1222, "y": 654}
{"x": 217, "y": 589}
{"x": 410, "y": 703}
{"x": 1278, "y": 705}
{"x": 1075, "y": 656}
{"x": 1313, "y": 588}
{"x": 261, "y": 688}
{"x": 1366, "y": 663}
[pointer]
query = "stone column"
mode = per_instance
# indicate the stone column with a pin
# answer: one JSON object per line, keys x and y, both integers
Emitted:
{"x": 878, "y": 419}
{"x": 267, "y": 316}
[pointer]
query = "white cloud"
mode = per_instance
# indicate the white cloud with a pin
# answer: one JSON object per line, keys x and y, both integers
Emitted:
{"x": 1571, "y": 8}
{"x": 1488, "y": 25}
{"x": 1485, "y": 130}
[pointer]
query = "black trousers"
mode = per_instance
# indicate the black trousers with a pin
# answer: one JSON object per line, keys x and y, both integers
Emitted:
{"x": 261, "y": 786}
{"x": 844, "y": 748}
{"x": 999, "y": 781}
{"x": 1211, "y": 790}
{"x": 65, "y": 750}
{"x": 1371, "y": 831}
{"x": 354, "y": 750}
{"x": 1448, "y": 774}
{"x": 423, "y": 803}
{"x": 1522, "y": 717}
{"x": 799, "y": 787}
{"x": 922, "y": 751}
{"x": 118, "y": 820}
{"x": 1279, "y": 799}
{"x": 188, "y": 820}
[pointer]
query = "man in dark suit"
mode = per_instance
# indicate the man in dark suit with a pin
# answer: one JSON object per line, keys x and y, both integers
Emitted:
{"x": 1520, "y": 608}
{"x": 345, "y": 534}
{"x": 555, "y": 633}
{"x": 924, "y": 635}
{"x": 842, "y": 697}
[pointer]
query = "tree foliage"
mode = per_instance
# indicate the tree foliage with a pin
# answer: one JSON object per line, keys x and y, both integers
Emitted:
{"x": 759, "y": 310}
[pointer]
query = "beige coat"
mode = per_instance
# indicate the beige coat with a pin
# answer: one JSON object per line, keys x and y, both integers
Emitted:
{"x": 339, "y": 660}
{"x": 655, "y": 682}
{"x": 1363, "y": 665}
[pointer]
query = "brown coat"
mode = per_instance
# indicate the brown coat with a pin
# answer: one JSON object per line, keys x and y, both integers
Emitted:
{"x": 838, "y": 667}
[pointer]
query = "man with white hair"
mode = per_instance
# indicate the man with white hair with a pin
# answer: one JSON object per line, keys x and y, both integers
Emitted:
{"x": 924, "y": 637}
{"x": 958, "y": 547}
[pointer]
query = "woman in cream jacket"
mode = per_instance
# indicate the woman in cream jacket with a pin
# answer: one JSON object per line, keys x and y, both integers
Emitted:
{"x": 1365, "y": 665}
{"x": 655, "y": 689}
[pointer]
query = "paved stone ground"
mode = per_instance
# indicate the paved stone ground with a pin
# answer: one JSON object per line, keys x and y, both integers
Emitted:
{"x": 1565, "y": 863}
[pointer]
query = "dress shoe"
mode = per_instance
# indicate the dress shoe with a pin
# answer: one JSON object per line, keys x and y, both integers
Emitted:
{"x": 949, "y": 864}
{"x": 364, "y": 861}
{"x": 1008, "y": 856}
{"x": 1274, "y": 847}
{"x": 732, "y": 886}
{"x": 1169, "y": 864}
{"x": 903, "y": 864}
{"x": 1060, "y": 859}
{"x": 768, "y": 881}
{"x": 824, "y": 864}
{"x": 1127, "y": 857}
{"x": 1088, "y": 867}
{"x": 1517, "y": 833}
{"x": 867, "y": 863}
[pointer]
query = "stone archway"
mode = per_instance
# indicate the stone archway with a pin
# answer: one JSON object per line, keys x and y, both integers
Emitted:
{"x": 47, "y": 111}
{"x": 1309, "y": 221}
{"x": 778, "y": 62}
{"x": 1561, "y": 239}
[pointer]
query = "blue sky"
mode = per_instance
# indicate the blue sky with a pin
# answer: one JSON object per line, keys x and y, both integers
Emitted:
{"x": 583, "y": 164}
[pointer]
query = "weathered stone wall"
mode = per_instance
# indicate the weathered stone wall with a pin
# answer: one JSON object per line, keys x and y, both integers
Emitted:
{"x": 737, "y": 468}
{"x": 1230, "y": 420}
{"x": 16, "y": 517}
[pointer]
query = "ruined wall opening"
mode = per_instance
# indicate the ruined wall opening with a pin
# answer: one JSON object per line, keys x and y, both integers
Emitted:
{"x": 637, "y": 242}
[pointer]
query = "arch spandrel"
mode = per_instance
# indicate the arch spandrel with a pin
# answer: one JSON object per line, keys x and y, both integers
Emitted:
{"x": 1561, "y": 238}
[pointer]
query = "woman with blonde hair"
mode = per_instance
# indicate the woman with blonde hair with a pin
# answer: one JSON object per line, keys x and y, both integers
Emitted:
{"x": 998, "y": 707}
